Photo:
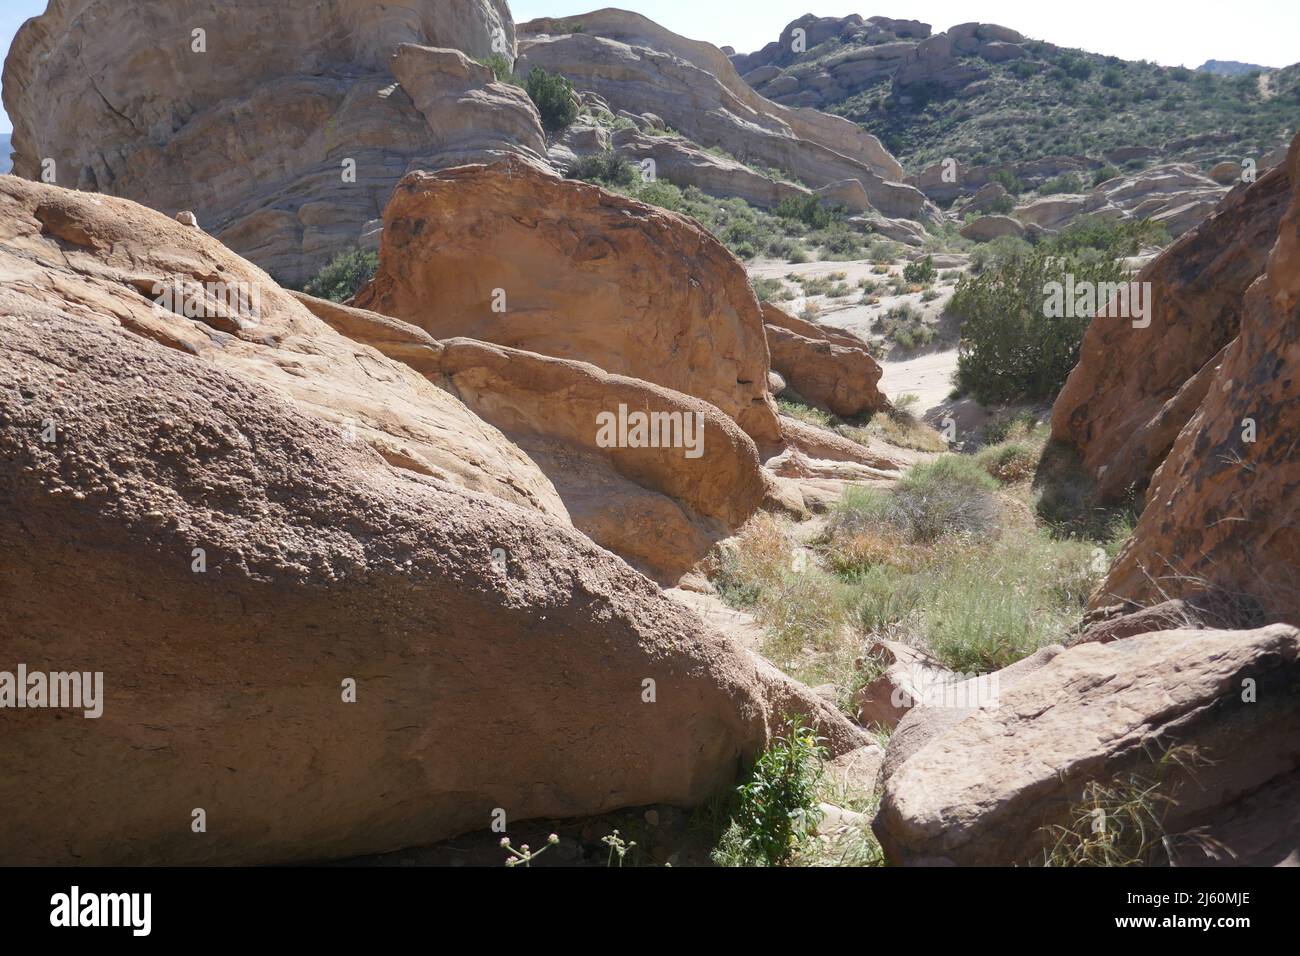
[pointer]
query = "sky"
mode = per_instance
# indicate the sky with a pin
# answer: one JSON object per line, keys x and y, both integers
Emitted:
{"x": 1170, "y": 32}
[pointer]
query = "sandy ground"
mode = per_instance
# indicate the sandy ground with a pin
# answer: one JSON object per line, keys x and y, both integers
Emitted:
{"x": 927, "y": 374}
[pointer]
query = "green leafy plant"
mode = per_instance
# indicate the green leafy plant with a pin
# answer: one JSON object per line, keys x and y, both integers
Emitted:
{"x": 552, "y": 94}
{"x": 777, "y": 806}
{"x": 343, "y": 275}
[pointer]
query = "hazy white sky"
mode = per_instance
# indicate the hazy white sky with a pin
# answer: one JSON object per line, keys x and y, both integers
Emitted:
{"x": 1166, "y": 31}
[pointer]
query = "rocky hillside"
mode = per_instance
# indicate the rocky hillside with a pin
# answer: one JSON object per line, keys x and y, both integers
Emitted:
{"x": 986, "y": 94}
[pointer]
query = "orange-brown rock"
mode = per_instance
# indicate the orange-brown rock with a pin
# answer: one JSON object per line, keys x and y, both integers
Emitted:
{"x": 1134, "y": 389}
{"x": 831, "y": 368}
{"x": 662, "y": 506}
{"x": 506, "y": 254}
{"x": 1223, "y": 510}
{"x": 185, "y": 513}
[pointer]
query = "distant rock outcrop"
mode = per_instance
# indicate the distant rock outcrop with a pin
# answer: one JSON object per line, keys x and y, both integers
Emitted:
{"x": 509, "y": 255}
{"x": 639, "y": 67}
{"x": 284, "y": 126}
{"x": 238, "y": 514}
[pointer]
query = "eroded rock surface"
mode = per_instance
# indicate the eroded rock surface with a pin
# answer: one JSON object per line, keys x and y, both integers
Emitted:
{"x": 500, "y": 657}
{"x": 259, "y": 131}
{"x": 506, "y": 254}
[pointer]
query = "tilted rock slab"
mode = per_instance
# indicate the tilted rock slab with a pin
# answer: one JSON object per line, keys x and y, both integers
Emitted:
{"x": 637, "y": 66}
{"x": 1134, "y": 389}
{"x": 1223, "y": 510}
{"x": 829, "y": 367}
{"x": 500, "y": 657}
{"x": 253, "y": 133}
{"x": 660, "y": 508}
{"x": 982, "y": 791}
{"x": 506, "y": 254}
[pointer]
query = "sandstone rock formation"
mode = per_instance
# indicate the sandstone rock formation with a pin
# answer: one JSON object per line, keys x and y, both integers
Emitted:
{"x": 283, "y": 126}
{"x": 508, "y": 255}
{"x": 639, "y": 67}
{"x": 1123, "y": 416}
{"x": 988, "y": 789}
{"x": 660, "y": 508}
{"x": 500, "y": 658}
{"x": 1222, "y": 513}
{"x": 828, "y": 367}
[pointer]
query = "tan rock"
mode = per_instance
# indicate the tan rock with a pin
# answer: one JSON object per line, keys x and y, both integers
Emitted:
{"x": 1221, "y": 511}
{"x": 986, "y": 228}
{"x": 500, "y": 658}
{"x": 582, "y": 274}
{"x": 986, "y": 790}
{"x": 286, "y": 134}
{"x": 828, "y": 367}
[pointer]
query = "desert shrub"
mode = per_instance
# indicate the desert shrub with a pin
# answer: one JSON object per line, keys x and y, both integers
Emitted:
{"x": 905, "y": 325}
{"x": 1010, "y": 351}
{"x": 343, "y": 275}
{"x": 949, "y": 495}
{"x": 1010, "y": 462}
{"x": 809, "y": 210}
{"x": 552, "y": 94}
{"x": 770, "y": 290}
{"x": 921, "y": 272}
{"x": 1064, "y": 183}
{"x": 605, "y": 169}
{"x": 776, "y": 808}
{"x": 502, "y": 69}
{"x": 992, "y": 254}
{"x": 1103, "y": 174}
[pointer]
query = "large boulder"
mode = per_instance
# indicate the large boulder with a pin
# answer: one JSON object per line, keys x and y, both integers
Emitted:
{"x": 661, "y": 506}
{"x": 204, "y": 530}
{"x": 990, "y": 788}
{"x": 1222, "y": 511}
{"x": 828, "y": 367}
{"x": 1135, "y": 388}
{"x": 506, "y": 254}
{"x": 284, "y": 126}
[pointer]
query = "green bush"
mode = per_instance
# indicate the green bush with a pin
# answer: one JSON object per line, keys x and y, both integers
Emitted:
{"x": 948, "y": 495}
{"x": 605, "y": 169}
{"x": 502, "y": 69}
{"x": 1064, "y": 183}
{"x": 1010, "y": 351}
{"x": 552, "y": 94}
{"x": 344, "y": 275}
{"x": 809, "y": 210}
{"x": 921, "y": 272}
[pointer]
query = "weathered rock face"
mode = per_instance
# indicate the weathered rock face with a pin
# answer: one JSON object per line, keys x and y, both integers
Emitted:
{"x": 661, "y": 508}
{"x": 1222, "y": 512}
{"x": 583, "y": 274}
{"x": 639, "y": 67}
{"x": 442, "y": 576}
{"x": 828, "y": 367}
{"x": 983, "y": 790}
{"x": 684, "y": 165}
{"x": 258, "y": 132}
{"x": 1134, "y": 389}
{"x": 113, "y": 259}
